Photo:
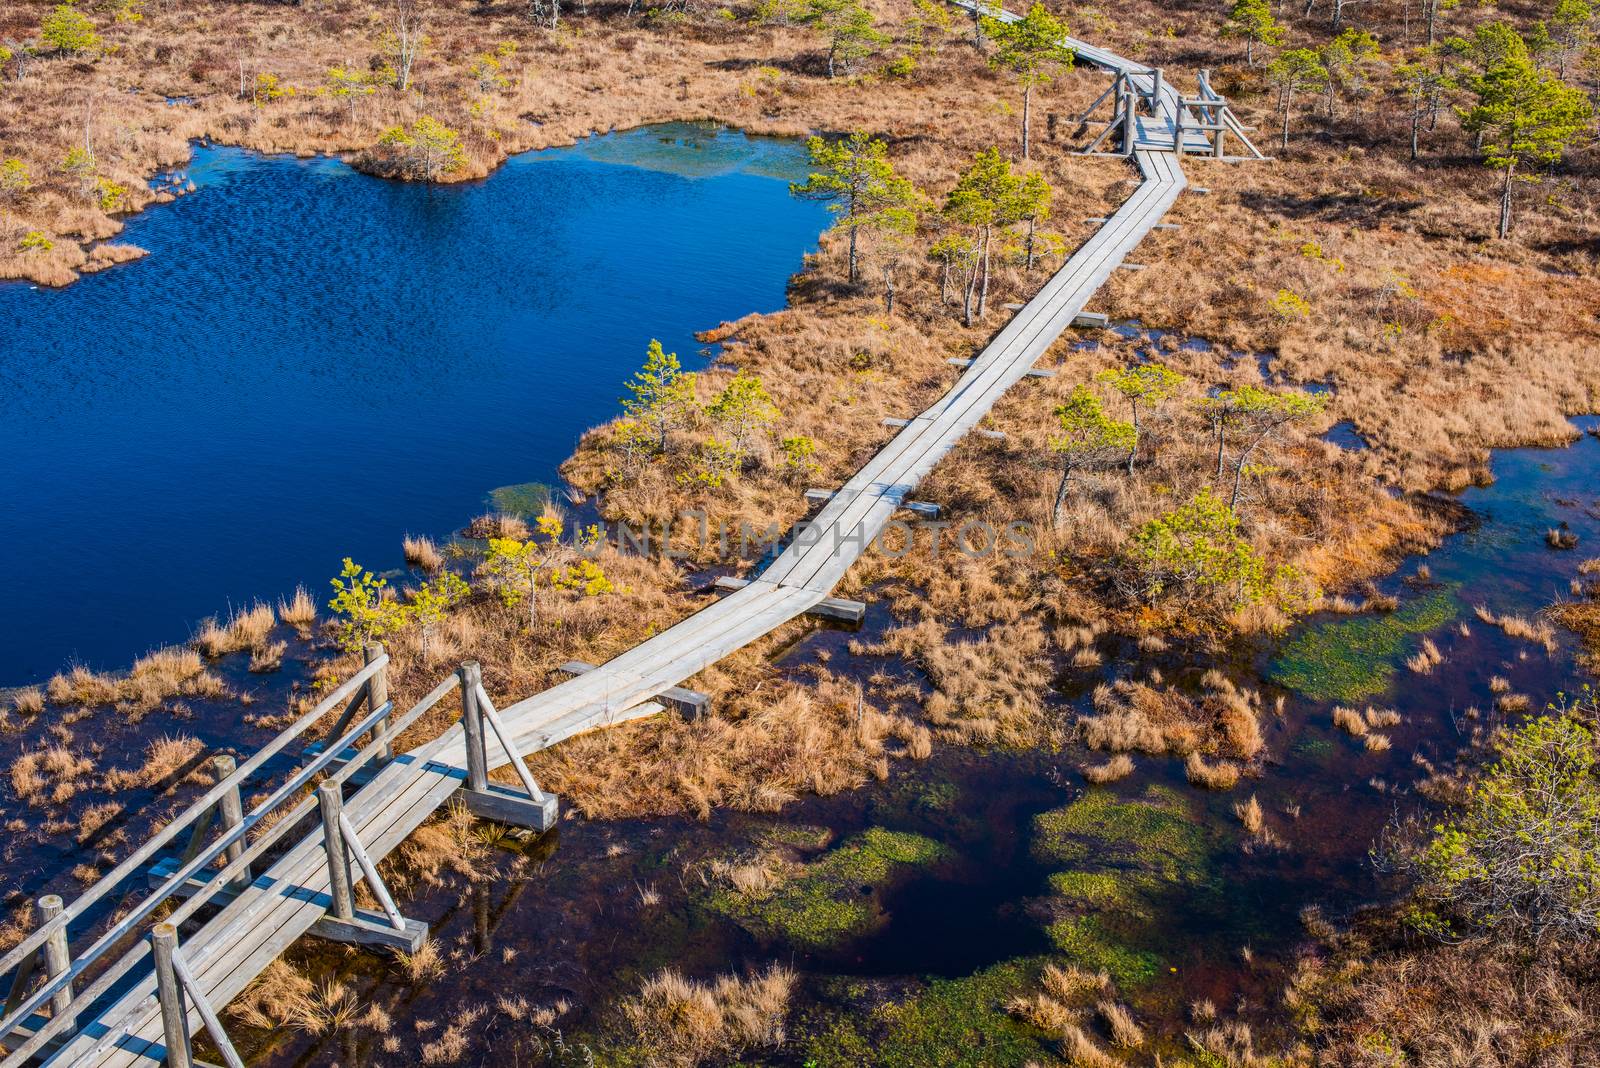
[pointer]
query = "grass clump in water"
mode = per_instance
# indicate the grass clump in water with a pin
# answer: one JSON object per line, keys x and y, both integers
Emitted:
{"x": 830, "y": 900}
{"x": 1354, "y": 659}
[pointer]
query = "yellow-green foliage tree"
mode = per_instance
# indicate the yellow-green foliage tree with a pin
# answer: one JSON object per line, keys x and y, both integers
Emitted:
{"x": 1194, "y": 560}
{"x": 848, "y": 28}
{"x": 1294, "y": 71}
{"x": 15, "y": 181}
{"x": 1034, "y": 49}
{"x": 1149, "y": 386}
{"x": 516, "y": 569}
{"x": 862, "y": 190}
{"x": 661, "y": 397}
{"x": 365, "y": 612}
{"x": 1523, "y": 855}
{"x": 1257, "y": 416}
{"x": 349, "y": 85}
{"x": 743, "y": 411}
{"x": 66, "y": 29}
{"x": 988, "y": 196}
{"x": 427, "y": 151}
{"x": 1087, "y": 439}
{"x": 1347, "y": 59}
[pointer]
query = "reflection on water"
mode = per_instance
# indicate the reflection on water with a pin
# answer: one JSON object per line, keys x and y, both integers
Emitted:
{"x": 312, "y": 362}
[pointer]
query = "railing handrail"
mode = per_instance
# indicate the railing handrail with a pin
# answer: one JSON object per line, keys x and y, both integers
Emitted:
{"x": 83, "y": 902}
{"x": 223, "y": 876}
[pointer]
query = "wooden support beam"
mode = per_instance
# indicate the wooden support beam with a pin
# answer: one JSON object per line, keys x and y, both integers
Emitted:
{"x": 1167, "y": 226}
{"x": 992, "y": 435}
{"x": 365, "y": 928}
{"x": 837, "y": 609}
{"x": 1012, "y": 306}
{"x": 690, "y": 704}
{"x": 1202, "y": 190}
{"x": 1091, "y": 319}
{"x": 897, "y": 424}
{"x": 1098, "y": 220}
{"x": 1132, "y": 266}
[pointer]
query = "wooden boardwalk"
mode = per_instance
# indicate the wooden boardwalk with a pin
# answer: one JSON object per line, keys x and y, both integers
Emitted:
{"x": 124, "y": 1027}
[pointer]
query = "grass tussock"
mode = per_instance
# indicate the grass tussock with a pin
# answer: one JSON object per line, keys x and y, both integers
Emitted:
{"x": 1118, "y": 767}
{"x": 284, "y": 997}
{"x": 679, "y": 1022}
{"x": 247, "y": 628}
{"x": 153, "y": 679}
{"x": 422, "y": 554}
{"x": 299, "y": 611}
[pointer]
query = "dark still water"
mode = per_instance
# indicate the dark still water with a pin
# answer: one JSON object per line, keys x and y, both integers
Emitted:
{"x": 312, "y": 362}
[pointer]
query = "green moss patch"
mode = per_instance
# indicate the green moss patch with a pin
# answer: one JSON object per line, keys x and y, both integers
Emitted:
{"x": 834, "y": 898}
{"x": 1155, "y": 834}
{"x": 1128, "y": 861}
{"x": 953, "y": 1023}
{"x": 1091, "y": 945}
{"x": 1354, "y": 659}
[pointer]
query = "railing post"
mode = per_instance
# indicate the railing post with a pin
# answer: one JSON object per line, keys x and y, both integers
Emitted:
{"x": 174, "y": 1017}
{"x": 331, "y": 800}
{"x": 232, "y": 810}
{"x": 1155, "y": 92}
{"x": 1177, "y": 137}
{"x": 1129, "y": 123}
{"x": 1221, "y": 125}
{"x": 57, "y": 957}
{"x": 377, "y": 696}
{"x": 472, "y": 726}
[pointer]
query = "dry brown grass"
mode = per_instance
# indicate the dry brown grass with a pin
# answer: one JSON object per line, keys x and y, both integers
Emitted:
{"x": 1125, "y": 1031}
{"x": 51, "y": 775}
{"x": 1118, "y": 767}
{"x": 247, "y": 628}
{"x": 154, "y": 678}
{"x": 1223, "y": 775}
{"x": 28, "y": 701}
{"x": 678, "y": 1022}
{"x": 422, "y": 553}
{"x": 299, "y": 612}
{"x": 1481, "y": 1004}
{"x": 283, "y": 997}
{"x": 1250, "y": 814}
{"x": 1150, "y": 718}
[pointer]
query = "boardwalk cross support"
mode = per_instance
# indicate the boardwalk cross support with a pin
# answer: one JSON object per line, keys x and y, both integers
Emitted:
{"x": 532, "y": 807}
{"x": 345, "y": 922}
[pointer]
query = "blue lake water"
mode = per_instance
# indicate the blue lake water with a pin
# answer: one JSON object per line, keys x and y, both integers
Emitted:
{"x": 312, "y": 362}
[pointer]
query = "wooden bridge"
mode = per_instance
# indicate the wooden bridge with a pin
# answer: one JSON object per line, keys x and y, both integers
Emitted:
{"x": 136, "y": 994}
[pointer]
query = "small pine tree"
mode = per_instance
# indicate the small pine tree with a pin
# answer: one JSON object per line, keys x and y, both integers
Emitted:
{"x": 1033, "y": 48}
{"x": 1523, "y": 114}
{"x": 69, "y": 30}
{"x": 1088, "y": 439}
{"x": 661, "y": 393}
{"x": 1253, "y": 21}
